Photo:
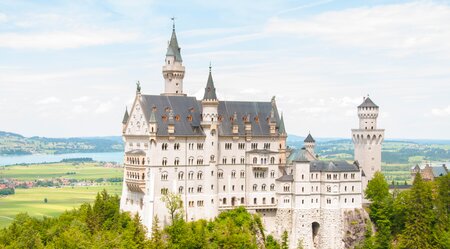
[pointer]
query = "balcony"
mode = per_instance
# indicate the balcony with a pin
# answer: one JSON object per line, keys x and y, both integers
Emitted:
{"x": 136, "y": 185}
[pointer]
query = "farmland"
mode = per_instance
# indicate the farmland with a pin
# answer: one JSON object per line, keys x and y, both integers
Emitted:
{"x": 58, "y": 200}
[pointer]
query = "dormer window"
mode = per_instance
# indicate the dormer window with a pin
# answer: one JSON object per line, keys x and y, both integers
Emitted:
{"x": 164, "y": 118}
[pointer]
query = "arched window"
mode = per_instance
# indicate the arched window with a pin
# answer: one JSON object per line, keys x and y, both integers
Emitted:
{"x": 263, "y": 187}
{"x": 199, "y": 175}
{"x": 180, "y": 175}
{"x": 255, "y": 201}
{"x": 191, "y": 175}
{"x": 272, "y": 200}
{"x": 272, "y": 187}
{"x": 242, "y": 174}
{"x": 255, "y": 187}
{"x": 224, "y": 201}
{"x": 220, "y": 174}
{"x": 233, "y": 174}
{"x": 272, "y": 160}
{"x": 180, "y": 190}
{"x": 255, "y": 160}
{"x": 164, "y": 176}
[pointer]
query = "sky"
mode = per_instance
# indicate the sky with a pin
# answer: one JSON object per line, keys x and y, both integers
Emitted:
{"x": 69, "y": 68}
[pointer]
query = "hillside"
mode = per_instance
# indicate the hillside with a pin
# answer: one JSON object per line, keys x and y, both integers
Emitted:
{"x": 16, "y": 144}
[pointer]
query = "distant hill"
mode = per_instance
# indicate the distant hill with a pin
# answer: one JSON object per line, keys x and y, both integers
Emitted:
{"x": 16, "y": 144}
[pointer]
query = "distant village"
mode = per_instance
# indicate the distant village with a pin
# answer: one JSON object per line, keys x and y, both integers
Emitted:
{"x": 8, "y": 185}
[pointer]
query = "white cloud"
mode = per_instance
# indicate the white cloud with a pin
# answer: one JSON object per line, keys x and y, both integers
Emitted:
{"x": 79, "y": 109}
{"x": 410, "y": 26}
{"x": 441, "y": 112}
{"x": 104, "y": 107}
{"x": 81, "y": 99}
{"x": 64, "y": 39}
{"x": 49, "y": 100}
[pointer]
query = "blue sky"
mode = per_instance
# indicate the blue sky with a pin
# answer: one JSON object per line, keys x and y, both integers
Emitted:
{"x": 68, "y": 68}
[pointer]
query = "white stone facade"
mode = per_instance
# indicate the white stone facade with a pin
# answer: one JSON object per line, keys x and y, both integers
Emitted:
{"x": 222, "y": 154}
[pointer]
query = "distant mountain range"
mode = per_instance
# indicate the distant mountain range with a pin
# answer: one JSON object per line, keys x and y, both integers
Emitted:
{"x": 16, "y": 144}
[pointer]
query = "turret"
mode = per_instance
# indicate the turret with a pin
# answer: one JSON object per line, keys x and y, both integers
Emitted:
{"x": 210, "y": 102}
{"x": 173, "y": 69}
{"x": 368, "y": 114}
{"x": 272, "y": 120}
{"x": 310, "y": 144}
{"x": 153, "y": 125}
{"x": 367, "y": 140}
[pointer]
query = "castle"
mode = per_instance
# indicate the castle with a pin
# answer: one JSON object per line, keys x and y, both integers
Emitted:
{"x": 219, "y": 154}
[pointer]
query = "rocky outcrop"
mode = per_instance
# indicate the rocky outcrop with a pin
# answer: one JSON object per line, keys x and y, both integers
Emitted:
{"x": 354, "y": 227}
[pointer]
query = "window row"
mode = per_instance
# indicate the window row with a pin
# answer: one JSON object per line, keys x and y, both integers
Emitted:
{"x": 263, "y": 160}
{"x": 135, "y": 160}
{"x": 176, "y": 146}
{"x": 135, "y": 175}
{"x": 263, "y": 187}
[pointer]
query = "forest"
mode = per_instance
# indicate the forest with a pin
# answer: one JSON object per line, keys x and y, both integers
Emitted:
{"x": 417, "y": 218}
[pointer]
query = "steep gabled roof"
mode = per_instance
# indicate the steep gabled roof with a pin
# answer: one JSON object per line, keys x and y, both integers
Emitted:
{"x": 368, "y": 103}
{"x": 281, "y": 128}
{"x": 125, "y": 116}
{"x": 309, "y": 139}
{"x": 210, "y": 90}
{"x": 173, "y": 49}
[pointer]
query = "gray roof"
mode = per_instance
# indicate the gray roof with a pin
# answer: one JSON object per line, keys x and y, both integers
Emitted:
{"x": 332, "y": 166}
{"x": 257, "y": 114}
{"x": 174, "y": 49}
{"x": 439, "y": 171}
{"x": 125, "y": 116}
{"x": 180, "y": 105}
{"x": 210, "y": 90}
{"x": 298, "y": 156}
{"x": 309, "y": 139}
{"x": 282, "y": 129}
{"x": 286, "y": 178}
{"x": 368, "y": 103}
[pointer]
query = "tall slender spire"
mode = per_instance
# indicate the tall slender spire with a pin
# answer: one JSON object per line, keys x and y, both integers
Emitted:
{"x": 281, "y": 129}
{"x": 125, "y": 116}
{"x": 173, "y": 49}
{"x": 210, "y": 90}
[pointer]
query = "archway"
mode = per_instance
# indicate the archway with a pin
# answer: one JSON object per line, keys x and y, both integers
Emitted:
{"x": 315, "y": 234}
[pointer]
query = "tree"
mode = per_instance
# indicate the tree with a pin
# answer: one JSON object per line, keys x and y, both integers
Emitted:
{"x": 284, "y": 240}
{"x": 377, "y": 188}
{"x": 156, "y": 240}
{"x": 419, "y": 232}
{"x": 45, "y": 200}
{"x": 174, "y": 205}
{"x": 271, "y": 243}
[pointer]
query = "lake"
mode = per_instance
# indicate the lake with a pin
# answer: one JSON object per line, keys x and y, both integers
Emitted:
{"x": 50, "y": 158}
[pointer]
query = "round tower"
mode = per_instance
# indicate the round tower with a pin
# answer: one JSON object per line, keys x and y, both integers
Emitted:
{"x": 367, "y": 140}
{"x": 173, "y": 69}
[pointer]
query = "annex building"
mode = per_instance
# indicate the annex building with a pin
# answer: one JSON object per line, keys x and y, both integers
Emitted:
{"x": 218, "y": 154}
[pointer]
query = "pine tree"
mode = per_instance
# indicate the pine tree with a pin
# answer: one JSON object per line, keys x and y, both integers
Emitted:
{"x": 284, "y": 240}
{"x": 156, "y": 240}
{"x": 418, "y": 232}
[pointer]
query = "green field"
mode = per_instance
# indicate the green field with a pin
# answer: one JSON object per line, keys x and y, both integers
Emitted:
{"x": 84, "y": 171}
{"x": 59, "y": 199}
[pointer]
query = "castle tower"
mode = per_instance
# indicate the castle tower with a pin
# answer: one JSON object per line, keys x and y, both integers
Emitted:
{"x": 367, "y": 140}
{"x": 173, "y": 69}
{"x": 310, "y": 144}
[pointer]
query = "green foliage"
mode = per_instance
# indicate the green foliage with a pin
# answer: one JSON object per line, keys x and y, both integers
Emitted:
{"x": 101, "y": 225}
{"x": 377, "y": 188}
{"x": 272, "y": 243}
{"x": 415, "y": 218}
{"x": 7, "y": 191}
{"x": 420, "y": 216}
{"x": 174, "y": 205}
{"x": 285, "y": 240}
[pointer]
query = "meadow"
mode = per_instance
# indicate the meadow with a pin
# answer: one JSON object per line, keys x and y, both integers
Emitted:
{"x": 32, "y": 201}
{"x": 83, "y": 171}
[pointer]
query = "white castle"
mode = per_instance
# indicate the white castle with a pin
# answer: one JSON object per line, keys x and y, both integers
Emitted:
{"x": 219, "y": 154}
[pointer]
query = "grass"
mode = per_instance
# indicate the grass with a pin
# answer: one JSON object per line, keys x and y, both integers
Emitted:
{"x": 31, "y": 200}
{"x": 84, "y": 171}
